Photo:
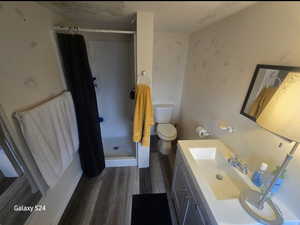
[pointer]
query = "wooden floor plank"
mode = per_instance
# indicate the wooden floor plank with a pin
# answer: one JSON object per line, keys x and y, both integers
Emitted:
{"x": 104, "y": 200}
{"x": 145, "y": 181}
{"x": 82, "y": 203}
{"x": 107, "y": 199}
{"x": 157, "y": 179}
{"x": 113, "y": 206}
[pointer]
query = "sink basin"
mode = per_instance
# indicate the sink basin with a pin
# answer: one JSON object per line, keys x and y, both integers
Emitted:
{"x": 205, "y": 165}
{"x": 225, "y": 181}
{"x": 203, "y": 153}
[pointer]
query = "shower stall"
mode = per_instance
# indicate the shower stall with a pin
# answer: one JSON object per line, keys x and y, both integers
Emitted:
{"x": 111, "y": 58}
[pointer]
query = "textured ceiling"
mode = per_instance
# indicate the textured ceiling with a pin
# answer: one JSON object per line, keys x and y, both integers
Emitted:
{"x": 168, "y": 16}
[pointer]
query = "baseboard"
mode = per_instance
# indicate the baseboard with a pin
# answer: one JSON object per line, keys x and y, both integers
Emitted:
{"x": 57, "y": 198}
{"x": 120, "y": 161}
{"x": 68, "y": 198}
{"x": 143, "y": 155}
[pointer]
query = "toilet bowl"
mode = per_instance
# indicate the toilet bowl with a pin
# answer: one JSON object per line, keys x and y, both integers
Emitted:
{"x": 164, "y": 129}
{"x": 166, "y": 133}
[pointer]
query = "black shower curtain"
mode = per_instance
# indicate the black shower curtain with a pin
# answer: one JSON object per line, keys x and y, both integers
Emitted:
{"x": 80, "y": 82}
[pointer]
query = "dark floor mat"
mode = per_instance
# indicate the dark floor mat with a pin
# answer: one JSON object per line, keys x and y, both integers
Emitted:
{"x": 150, "y": 209}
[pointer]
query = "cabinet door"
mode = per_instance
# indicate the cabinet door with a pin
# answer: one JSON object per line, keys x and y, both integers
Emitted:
{"x": 193, "y": 215}
{"x": 180, "y": 194}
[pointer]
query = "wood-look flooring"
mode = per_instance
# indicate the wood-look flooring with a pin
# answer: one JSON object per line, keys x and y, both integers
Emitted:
{"x": 104, "y": 200}
{"x": 107, "y": 199}
{"x": 151, "y": 178}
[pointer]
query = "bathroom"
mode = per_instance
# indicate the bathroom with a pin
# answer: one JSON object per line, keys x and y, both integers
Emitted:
{"x": 200, "y": 68}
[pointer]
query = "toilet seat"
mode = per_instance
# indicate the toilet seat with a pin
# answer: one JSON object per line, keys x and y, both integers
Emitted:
{"x": 166, "y": 131}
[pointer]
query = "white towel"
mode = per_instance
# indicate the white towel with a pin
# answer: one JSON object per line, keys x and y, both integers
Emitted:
{"x": 50, "y": 131}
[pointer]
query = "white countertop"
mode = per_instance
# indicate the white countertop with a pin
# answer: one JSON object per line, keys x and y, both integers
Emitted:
{"x": 228, "y": 211}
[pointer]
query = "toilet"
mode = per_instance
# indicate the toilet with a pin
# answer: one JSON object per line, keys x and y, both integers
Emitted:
{"x": 164, "y": 129}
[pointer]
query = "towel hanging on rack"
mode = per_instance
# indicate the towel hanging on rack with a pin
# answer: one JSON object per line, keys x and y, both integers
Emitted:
{"x": 143, "y": 115}
{"x": 50, "y": 131}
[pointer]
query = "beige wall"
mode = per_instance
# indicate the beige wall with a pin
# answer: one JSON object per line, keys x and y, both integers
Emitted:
{"x": 169, "y": 61}
{"x": 221, "y": 62}
{"x": 144, "y": 46}
{"x": 30, "y": 72}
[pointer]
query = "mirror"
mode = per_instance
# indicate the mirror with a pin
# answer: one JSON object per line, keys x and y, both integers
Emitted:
{"x": 264, "y": 83}
{"x": 10, "y": 168}
{"x": 15, "y": 188}
{"x": 8, "y": 173}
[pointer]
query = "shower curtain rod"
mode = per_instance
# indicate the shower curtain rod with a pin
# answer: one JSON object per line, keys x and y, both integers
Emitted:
{"x": 76, "y": 29}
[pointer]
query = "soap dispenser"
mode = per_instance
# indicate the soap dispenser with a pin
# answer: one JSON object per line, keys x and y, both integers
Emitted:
{"x": 257, "y": 177}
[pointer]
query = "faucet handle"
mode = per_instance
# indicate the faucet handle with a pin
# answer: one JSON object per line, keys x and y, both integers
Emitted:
{"x": 234, "y": 157}
{"x": 245, "y": 169}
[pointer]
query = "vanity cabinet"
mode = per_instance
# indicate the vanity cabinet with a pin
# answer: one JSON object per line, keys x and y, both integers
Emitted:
{"x": 180, "y": 194}
{"x": 194, "y": 215}
{"x": 190, "y": 205}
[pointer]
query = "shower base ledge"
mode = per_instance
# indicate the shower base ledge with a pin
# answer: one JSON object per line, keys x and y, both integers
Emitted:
{"x": 120, "y": 161}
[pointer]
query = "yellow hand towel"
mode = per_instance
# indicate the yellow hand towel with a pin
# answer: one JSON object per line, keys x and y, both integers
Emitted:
{"x": 143, "y": 115}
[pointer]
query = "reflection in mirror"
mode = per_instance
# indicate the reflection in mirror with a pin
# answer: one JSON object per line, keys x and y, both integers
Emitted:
{"x": 264, "y": 84}
{"x": 8, "y": 173}
{"x": 15, "y": 189}
{"x": 10, "y": 168}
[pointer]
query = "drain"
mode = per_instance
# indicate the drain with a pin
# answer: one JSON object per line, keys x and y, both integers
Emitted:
{"x": 116, "y": 147}
{"x": 219, "y": 177}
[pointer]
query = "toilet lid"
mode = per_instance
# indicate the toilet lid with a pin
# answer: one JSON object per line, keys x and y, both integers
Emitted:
{"x": 166, "y": 130}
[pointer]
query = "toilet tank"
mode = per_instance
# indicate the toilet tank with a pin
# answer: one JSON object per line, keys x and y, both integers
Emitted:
{"x": 163, "y": 113}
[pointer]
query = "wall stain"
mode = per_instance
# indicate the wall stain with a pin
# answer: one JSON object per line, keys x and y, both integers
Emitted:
{"x": 217, "y": 52}
{"x": 90, "y": 9}
{"x": 283, "y": 57}
{"x": 210, "y": 17}
{"x": 213, "y": 42}
{"x": 33, "y": 44}
{"x": 30, "y": 83}
{"x": 20, "y": 14}
{"x": 179, "y": 43}
{"x": 226, "y": 63}
{"x": 196, "y": 43}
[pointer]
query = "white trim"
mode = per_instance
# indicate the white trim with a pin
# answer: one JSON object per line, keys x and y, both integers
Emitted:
{"x": 143, "y": 156}
{"x": 68, "y": 198}
{"x": 62, "y": 208}
{"x": 78, "y": 29}
{"x": 120, "y": 161}
{"x": 58, "y": 197}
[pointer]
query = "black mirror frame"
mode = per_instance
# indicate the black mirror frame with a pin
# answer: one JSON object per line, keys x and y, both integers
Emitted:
{"x": 258, "y": 67}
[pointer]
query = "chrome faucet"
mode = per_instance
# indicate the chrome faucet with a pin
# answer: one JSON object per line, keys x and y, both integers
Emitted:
{"x": 236, "y": 162}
